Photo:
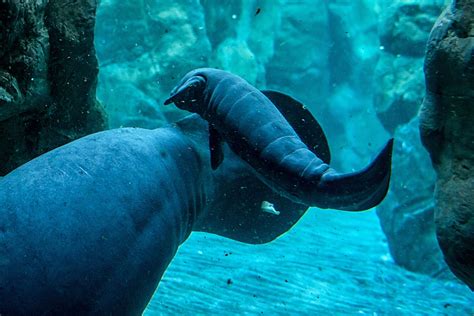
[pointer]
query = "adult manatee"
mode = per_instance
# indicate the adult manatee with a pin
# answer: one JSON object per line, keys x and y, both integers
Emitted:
{"x": 90, "y": 227}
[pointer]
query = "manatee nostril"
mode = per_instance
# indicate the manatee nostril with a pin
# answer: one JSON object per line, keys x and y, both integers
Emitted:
{"x": 188, "y": 92}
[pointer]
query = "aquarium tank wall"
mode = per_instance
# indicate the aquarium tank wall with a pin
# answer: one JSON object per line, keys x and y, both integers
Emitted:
{"x": 367, "y": 70}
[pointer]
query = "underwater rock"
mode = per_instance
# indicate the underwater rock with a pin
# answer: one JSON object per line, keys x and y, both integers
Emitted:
{"x": 447, "y": 133}
{"x": 249, "y": 28}
{"x": 353, "y": 40}
{"x": 73, "y": 69}
{"x": 404, "y": 28}
{"x": 147, "y": 45}
{"x": 403, "y": 31}
{"x": 407, "y": 213}
{"x": 138, "y": 110}
{"x": 399, "y": 90}
{"x": 23, "y": 80}
{"x": 222, "y": 21}
{"x": 341, "y": 53}
{"x": 254, "y": 22}
{"x": 265, "y": 20}
{"x": 47, "y": 77}
{"x": 23, "y": 57}
{"x": 236, "y": 56}
{"x": 301, "y": 51}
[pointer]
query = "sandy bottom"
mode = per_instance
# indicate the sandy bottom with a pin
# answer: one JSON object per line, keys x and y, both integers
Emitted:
{"x": 330, "y": 263}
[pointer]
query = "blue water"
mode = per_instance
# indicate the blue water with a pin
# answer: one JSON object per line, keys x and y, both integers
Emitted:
{"x": 329, "y": 263}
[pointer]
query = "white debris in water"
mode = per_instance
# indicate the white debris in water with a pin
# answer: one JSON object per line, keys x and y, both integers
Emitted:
{"x": 269, "y": 208}
{"x": 386, "y": 258}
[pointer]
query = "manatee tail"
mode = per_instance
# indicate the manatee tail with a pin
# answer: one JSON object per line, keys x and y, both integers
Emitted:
{"x": 356, "y": 191}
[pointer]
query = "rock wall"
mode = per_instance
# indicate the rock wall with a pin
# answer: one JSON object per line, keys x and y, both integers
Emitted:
{"x": 447, "y": 133}
{"x": 403, "y": 29}
{"x": 407, "y": 214}
{"x": 144, "y": 47}
{"x": 48, "y": 75}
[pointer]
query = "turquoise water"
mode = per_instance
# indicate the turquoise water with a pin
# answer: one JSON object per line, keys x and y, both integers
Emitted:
{"x": 330, "y": 263}
{"x": 358, "y": 66}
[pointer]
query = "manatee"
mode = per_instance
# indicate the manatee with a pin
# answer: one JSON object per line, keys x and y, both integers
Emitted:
{"x": 90, "y": 227}
{"x": 250, "y": 122}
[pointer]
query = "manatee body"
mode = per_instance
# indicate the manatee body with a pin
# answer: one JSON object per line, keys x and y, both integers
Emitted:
{"x": 89, "y": 228}
{"x": 251, "y": 123}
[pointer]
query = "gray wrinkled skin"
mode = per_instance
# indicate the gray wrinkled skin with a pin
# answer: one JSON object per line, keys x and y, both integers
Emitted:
{"x": 89, "y": 228}
{"x": 256, "y": 131}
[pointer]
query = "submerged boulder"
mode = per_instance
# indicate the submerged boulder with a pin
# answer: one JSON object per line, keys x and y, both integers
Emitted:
{"x": 301, "y": 50}
{"x": 447, "y": 133}
{"x": 146, "y": 46}
{"x": 242, "y": 34}
{"x": 404, "y": 28}
{"x": 407, "y": 213}
{"x": 399, "y": 92}
{"x": 23, "y": 57}
{"x": 48, "y": 74}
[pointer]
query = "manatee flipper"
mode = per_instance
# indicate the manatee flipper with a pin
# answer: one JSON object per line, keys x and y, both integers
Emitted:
{"x": 215, "y": 146}
{"x": 303, "y": 122}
